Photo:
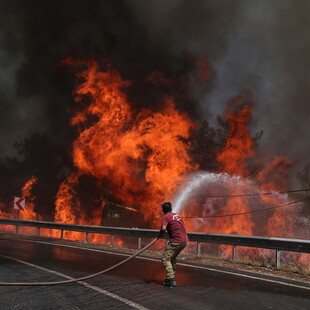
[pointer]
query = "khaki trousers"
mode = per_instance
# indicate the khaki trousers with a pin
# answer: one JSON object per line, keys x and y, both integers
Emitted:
{"x": 169, "y": 258}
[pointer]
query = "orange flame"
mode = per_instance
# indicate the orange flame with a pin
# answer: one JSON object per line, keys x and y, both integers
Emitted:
{"x": 68, "y": 209}
{"x": 141, "y": 156}
{"x": 239, "y": 144}
{"x": 232, "y": 159}
{"x": 3, "y": 214}
{"x": 275, "y": 175}
{"x": 29, "y": 213}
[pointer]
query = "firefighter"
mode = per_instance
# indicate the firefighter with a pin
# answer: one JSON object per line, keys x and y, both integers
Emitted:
{"x": 173, "y": 223}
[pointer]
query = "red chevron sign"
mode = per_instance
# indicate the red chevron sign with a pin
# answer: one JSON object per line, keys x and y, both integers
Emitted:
{"x": 19, "y": 203}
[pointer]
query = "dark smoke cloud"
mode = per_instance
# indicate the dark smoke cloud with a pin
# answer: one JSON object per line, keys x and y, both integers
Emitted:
{"x": 268, "y": 52}
{"x": 138, "y": 37}
{"x": 258, "y": 45}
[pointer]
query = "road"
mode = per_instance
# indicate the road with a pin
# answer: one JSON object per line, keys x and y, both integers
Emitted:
{"x": 134, "y": 285}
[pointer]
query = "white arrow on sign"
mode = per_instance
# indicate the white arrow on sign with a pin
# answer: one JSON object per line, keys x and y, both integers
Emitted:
{"x": 19, "y": 203}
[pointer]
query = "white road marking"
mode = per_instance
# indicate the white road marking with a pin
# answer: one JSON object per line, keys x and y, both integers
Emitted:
{"x": 247, "y": 276}
{"x": 179, "y": 264}
{"x": 100, "y": 290}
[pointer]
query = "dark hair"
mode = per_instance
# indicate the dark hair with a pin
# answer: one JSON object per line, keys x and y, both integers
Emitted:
{"x": 166, "y": 207}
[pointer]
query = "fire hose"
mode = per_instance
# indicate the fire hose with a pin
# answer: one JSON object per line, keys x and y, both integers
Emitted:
{"x": 82, "y": 278}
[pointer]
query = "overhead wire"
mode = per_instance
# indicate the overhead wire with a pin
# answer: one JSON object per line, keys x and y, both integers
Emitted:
{"x": 307, "y": 190}
{"x": 244, "y": 213}
{"x": 120, "y": 206}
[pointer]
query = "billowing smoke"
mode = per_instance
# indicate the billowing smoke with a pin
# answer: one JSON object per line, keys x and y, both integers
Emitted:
{"x": 267, "y": 52}
{"x": 257, "y": 46}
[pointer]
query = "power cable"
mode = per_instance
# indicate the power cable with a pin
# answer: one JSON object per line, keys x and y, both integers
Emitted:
{"x": 243, "y": 213}
{"x": 121, "y": 206}
{"x": 307, "y": 190}
{"x": 79, "y": 279}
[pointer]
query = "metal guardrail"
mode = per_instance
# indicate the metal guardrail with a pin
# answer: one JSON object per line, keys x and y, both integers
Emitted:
{"x": 277, "y": 244}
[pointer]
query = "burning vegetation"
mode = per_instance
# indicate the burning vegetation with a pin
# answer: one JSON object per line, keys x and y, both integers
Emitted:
{"x": 127, "y": 160}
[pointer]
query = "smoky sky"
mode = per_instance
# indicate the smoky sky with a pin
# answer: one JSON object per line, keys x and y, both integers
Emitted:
{"x": 261, "y": 46}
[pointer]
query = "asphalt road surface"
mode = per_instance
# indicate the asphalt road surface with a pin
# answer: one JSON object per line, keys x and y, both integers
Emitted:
{"x": 134, "y": 285}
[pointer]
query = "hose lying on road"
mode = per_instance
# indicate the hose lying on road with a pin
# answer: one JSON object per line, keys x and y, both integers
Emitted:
{"x": 79, "y": 279}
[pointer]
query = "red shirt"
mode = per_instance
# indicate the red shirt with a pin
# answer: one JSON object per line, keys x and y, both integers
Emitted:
{"x": 175, "y": 227}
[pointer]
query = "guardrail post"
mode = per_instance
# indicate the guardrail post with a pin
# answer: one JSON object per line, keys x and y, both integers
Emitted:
{"x": 273, "y": 244}
{"x": 86, "y": 237}
{"x": 278, "y": 258}
{"x": 198, "y": 248}
{"x": 139, "y": 243}
{"x": 234, "y": 252}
